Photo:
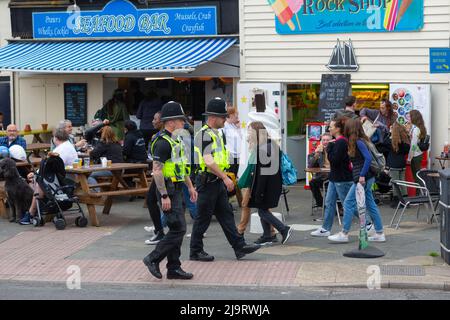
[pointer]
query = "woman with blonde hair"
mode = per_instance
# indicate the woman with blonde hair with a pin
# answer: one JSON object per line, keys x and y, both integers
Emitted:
{"x": 396, "y": 159}
{"x": 266, "y": 185}
{"x": 418, "y": 132}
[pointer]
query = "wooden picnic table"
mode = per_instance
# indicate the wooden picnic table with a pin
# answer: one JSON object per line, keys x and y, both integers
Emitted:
{"x": 35, "y": 148}
{"x": 35, "y": 133}
{"x": 35, "y": 162}
{"x": 117, "y": 187}
{"x": 317, "y": 170}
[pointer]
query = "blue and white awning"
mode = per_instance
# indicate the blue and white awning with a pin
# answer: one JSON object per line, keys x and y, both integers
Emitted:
{"x": 111, "y": 56}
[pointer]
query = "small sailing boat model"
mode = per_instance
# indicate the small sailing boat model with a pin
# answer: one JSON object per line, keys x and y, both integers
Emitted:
{"x": 343, "y": 57}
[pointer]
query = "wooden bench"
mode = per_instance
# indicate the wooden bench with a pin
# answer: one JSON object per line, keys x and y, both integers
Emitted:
{"x": 3, "y": 198}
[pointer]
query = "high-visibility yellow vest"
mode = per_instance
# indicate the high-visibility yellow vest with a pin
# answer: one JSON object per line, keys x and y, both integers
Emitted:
{"x": 176, "y": 167}
{"x": 218, "y": 151}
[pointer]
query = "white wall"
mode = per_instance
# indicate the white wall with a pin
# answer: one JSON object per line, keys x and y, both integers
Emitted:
{"x": 397, "y": 57}
{"x": 5, "y": 22}
{"x": 40, "y": 98}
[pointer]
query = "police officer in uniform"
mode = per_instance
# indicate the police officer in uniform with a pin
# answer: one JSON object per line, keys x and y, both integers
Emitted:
{"x": 169, "y": 173}
{"x": 212, "y": 186}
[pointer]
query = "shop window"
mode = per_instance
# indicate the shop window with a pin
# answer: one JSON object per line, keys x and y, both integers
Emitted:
{"x": 370, "y": 95}
{"x": 302, "y": 107}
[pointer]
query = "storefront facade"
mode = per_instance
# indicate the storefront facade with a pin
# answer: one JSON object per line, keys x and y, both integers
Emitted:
{"x": 194, "y": 58}
{"x": 287, "y": 46}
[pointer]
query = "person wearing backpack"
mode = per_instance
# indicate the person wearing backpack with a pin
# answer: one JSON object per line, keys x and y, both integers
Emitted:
{"x": 418, "y": 134}
{"x": 361, "y": 159}
{"x": 340, "y": 177}
{"x": 266, "y": 186}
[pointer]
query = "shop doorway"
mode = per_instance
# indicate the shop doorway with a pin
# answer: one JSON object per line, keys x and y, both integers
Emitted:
{"x": 192, "y": 93}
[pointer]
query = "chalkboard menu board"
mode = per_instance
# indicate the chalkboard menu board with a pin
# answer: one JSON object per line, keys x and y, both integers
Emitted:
{"x": 334, "y": 88}
{"x": 75, "y": 103}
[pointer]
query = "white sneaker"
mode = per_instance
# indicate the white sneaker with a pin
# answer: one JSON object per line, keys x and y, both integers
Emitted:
{"x": 321, "y": 232}
{"x": 370, "y": 230}
{"x": 149, "y": 229}
{"x": 339, "y": 237}
{"x": 378, "y": 237}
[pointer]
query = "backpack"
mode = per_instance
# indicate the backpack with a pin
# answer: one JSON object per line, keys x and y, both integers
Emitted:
{"x": 378, "y": 161}
{"x": 424, "y": 144}
{"x": 288, "y": 170}
{"x": 101, "y": 113}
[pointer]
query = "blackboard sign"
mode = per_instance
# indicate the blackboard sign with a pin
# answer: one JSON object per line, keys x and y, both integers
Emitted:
{"x": 75, "y": 103}
{"x": 334, "y": 88}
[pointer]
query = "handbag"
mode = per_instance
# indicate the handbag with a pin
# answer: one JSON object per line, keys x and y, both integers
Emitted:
{"x": 369, "y": 128}
{"x": 245, "y": 181}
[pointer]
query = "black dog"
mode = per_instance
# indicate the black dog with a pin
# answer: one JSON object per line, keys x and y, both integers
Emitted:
{"x": 20, "y": 194}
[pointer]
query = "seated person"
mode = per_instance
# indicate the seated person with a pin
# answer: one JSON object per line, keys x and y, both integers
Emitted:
{"x": 134, "y": 144}
{"x": 64, "y": 148}
{"x": 93, "y": 134}
{"x": 109, "y": 148}
{"x": 18, "y": 154}
{"x": 66, "y": 125}
{"x": 319, "y": 159}
{"x": 12, "y": 138}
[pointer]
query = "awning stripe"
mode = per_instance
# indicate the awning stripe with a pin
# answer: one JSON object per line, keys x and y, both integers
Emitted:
{"x": 111, "y": 55}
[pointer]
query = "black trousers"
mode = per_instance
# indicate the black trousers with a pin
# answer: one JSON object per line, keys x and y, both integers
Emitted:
{"x": 316, "y": 185}
{"x": 153, "y": 208}
{"x": 213, "y": 199}
{"x": 170, "y": 245}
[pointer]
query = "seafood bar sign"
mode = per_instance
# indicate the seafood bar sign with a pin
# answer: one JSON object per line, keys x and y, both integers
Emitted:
{"x": 339, "y": 16}
{"x": 120, "y": 18}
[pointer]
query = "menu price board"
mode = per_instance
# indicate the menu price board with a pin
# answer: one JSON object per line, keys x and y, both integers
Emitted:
{"x": 334, "y": 88}
{"x": 75, "y": 103}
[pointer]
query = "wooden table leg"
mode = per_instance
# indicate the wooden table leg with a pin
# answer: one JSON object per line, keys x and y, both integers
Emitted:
{"x": 91, "y": 207}
{"x": 37, "y": 137}
{"x": 114, "y": 185}
{"x": 93, "y": 215}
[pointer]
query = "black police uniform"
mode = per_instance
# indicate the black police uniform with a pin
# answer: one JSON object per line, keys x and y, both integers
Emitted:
{"x": 170, "y": 245}
{"x": 213, "y": 199}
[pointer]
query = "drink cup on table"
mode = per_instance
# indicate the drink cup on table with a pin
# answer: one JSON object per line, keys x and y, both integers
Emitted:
{"x": 87, "y": 162}
{"x": 104, "y": 162}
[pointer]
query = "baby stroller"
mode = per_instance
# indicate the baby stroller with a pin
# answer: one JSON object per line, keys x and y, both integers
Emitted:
{"x": 58, "y": 194}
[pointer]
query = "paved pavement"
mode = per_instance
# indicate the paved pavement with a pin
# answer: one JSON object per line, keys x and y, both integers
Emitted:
{"x": 112, "y": 253}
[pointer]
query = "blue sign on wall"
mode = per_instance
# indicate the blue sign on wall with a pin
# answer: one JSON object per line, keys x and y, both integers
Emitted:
{"x": 347, "y": 16}
{"x": 120, "y": 18}
{"x": 439, "y": 60}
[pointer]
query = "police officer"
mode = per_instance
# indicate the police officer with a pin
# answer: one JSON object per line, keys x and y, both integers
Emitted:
{"x": 212, "y": 185}
{"x": 169, "y": 173}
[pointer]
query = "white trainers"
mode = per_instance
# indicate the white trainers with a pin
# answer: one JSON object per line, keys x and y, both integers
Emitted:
{"x": 321, "y": 232}
{"x": 370, "y": 228}
{"x": 149, "y": 229}
{"x": 378, "y": 237}
{"x": 339, "y": 237}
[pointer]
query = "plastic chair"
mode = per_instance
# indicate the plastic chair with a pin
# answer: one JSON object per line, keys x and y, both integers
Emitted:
{"x": 405, "y": 202}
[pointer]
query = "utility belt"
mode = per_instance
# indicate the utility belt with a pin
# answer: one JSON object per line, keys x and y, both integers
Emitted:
{"x": 172, "y": 185}
{"x": 206, "y": 177}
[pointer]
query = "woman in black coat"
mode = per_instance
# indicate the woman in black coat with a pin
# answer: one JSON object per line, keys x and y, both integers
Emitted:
{"x": 267, "y": 182}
